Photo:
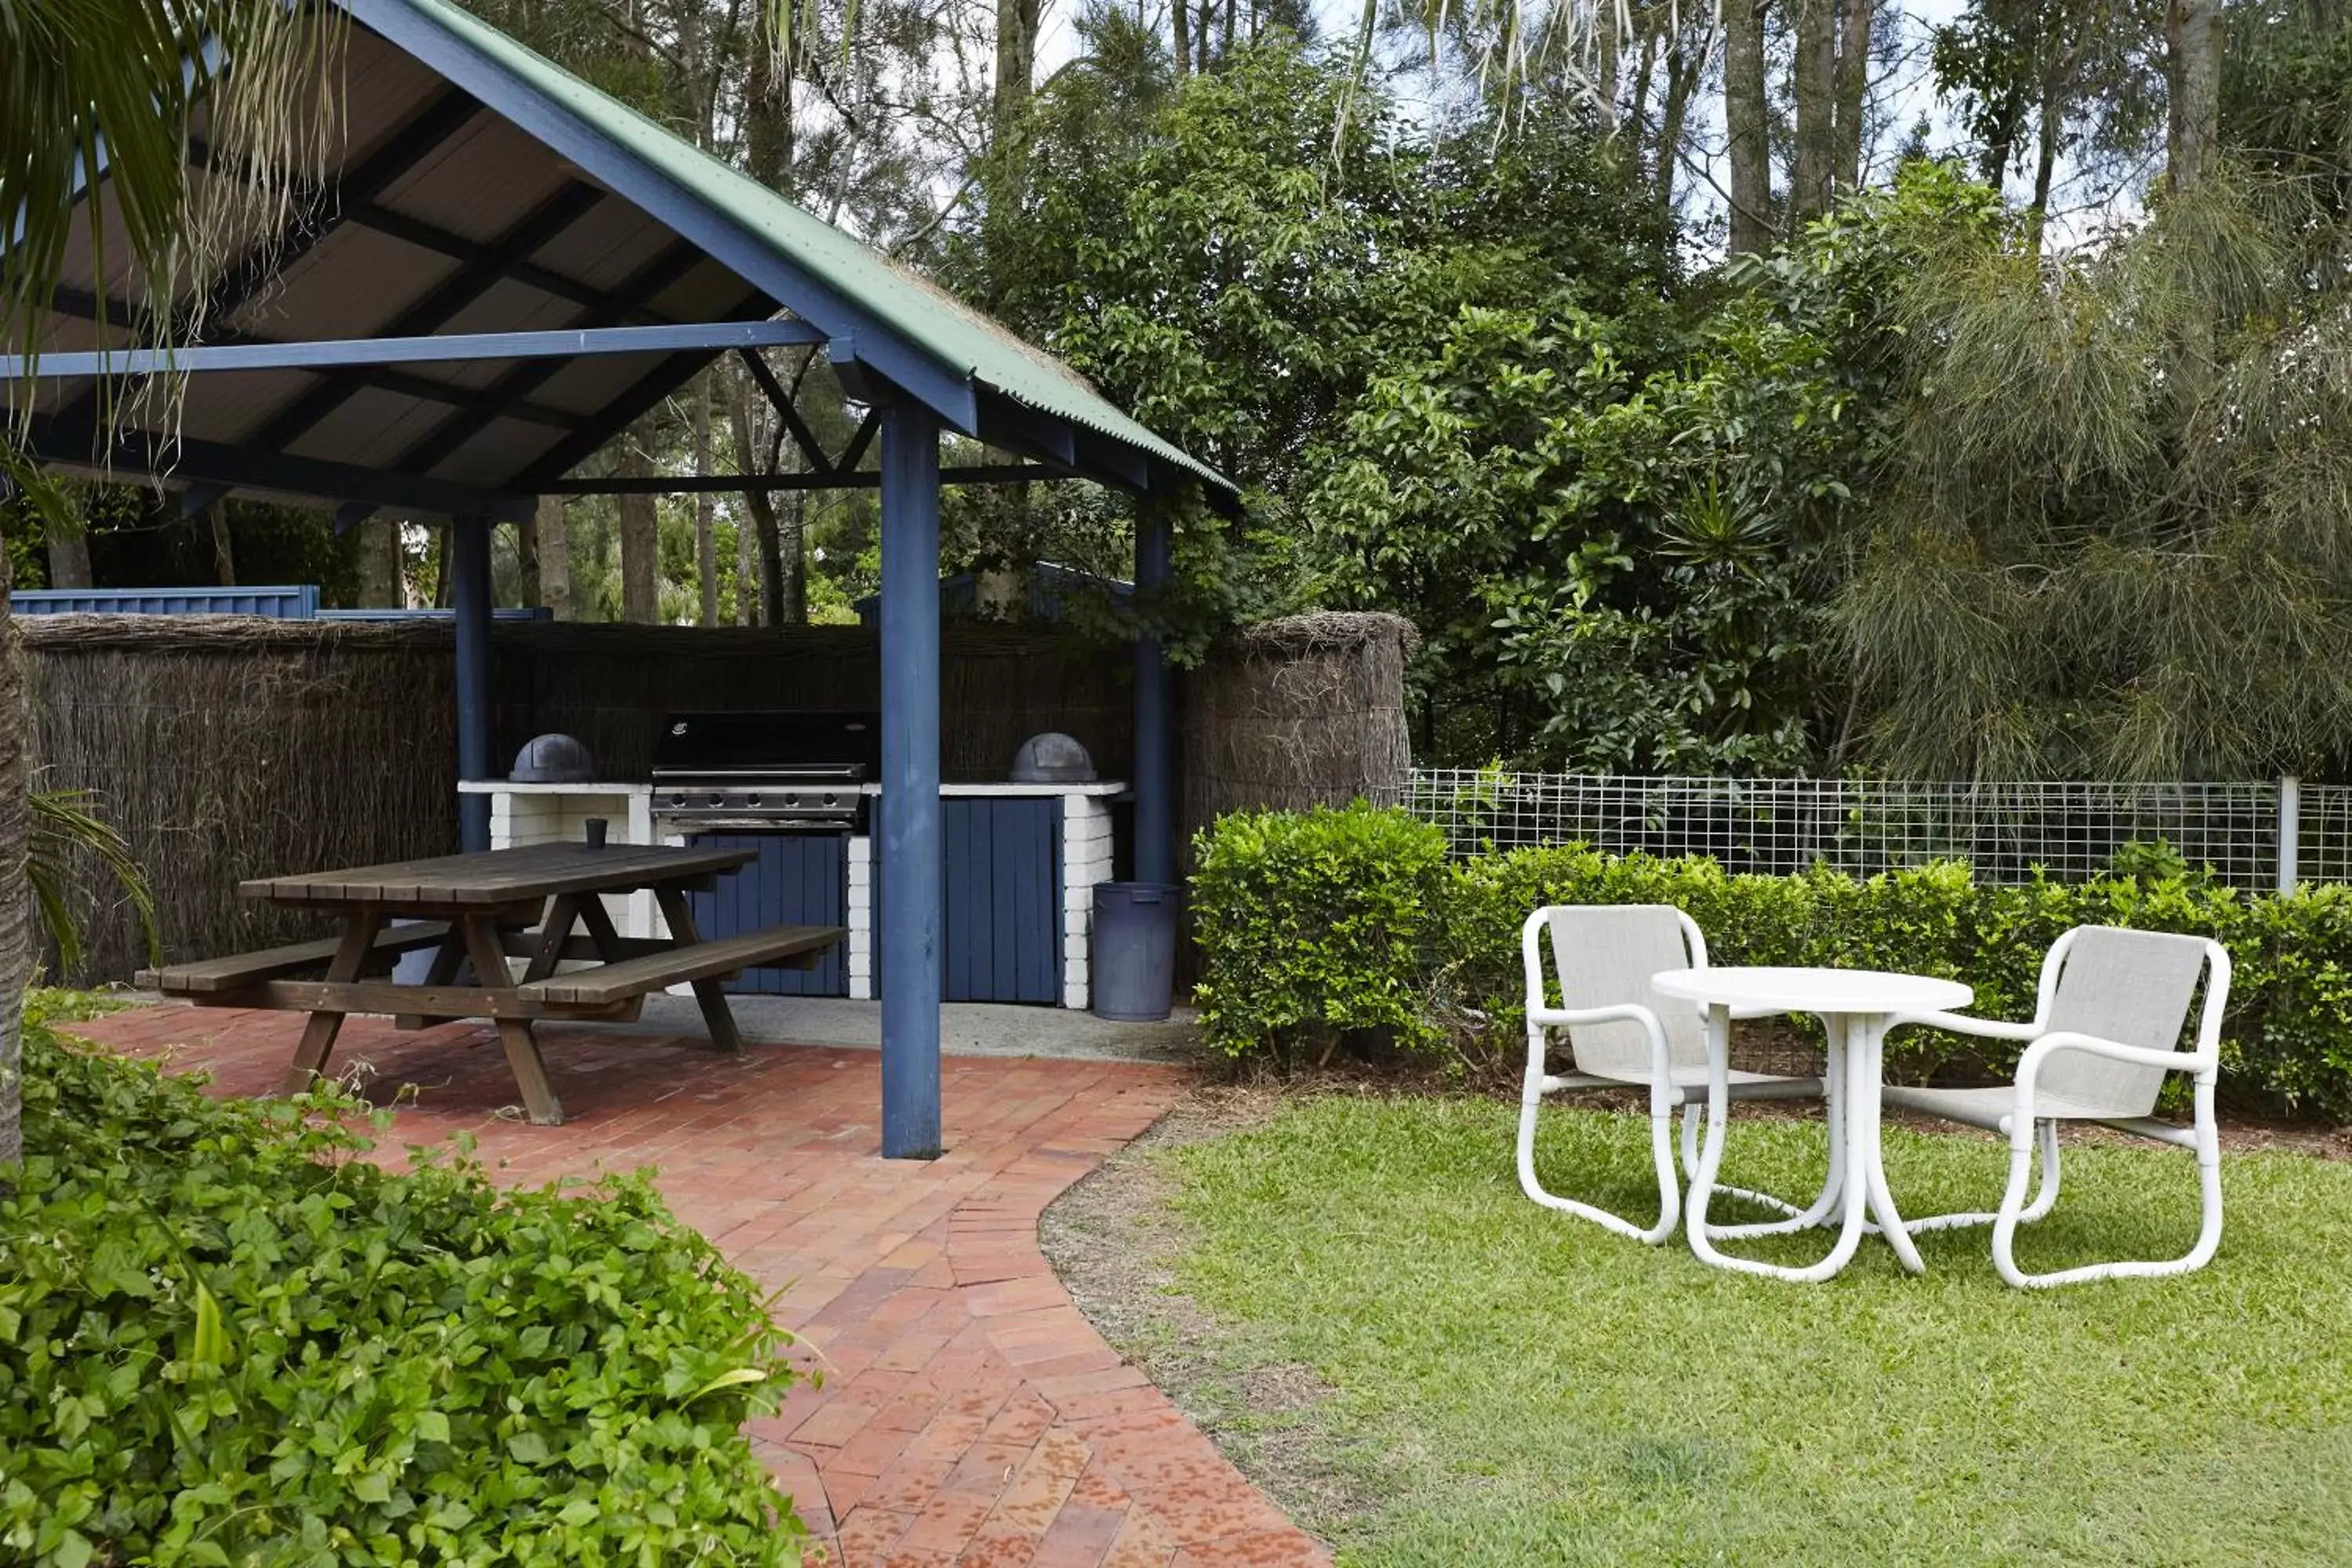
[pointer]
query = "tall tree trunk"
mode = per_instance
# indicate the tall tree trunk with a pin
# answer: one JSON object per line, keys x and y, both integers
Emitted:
{"x": 1608, "y": 45}
{"x": 761, "y": 504}
{"x": 792, "y": 557}
{"x": 69, "y": 559}
{"x": 223, "y": 552}
{"x": 746, "y": 576}
{"x": 1683, "y": 67}
{"x": 1748, "y": 122}
{"x": 768, "y": 117}
{"x": 1853, "y": 90}
{"x": 554, "y": 557}
{"x": 382, "y": 585}
{"x": 527, "y": 564}
{"x": 2192, "y": 40}
{"x": 1010, "y": 129}
{"x": 1812, "y": 181}
{"x": 640, "y": 544}
{"x": 706, "y": 548}
{"x": 1184, "y": 24}
{"x": 2045, "y": 159}
{"x": 15, "y": 932}
{"x": 446, "y": 534}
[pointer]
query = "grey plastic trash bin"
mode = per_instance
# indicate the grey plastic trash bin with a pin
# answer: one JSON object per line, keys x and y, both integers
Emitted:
{"x": 1134, "y": 950}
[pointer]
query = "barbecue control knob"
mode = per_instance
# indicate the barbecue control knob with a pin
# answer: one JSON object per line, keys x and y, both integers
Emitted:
{"x": 717, "y": 799}
{"x": 677, "y": 800}
{"x": 753, "y": 801}
{"x": 791, "y": 800}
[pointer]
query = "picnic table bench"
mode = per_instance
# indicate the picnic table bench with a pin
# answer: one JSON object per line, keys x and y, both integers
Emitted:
{"x": 481, "y": 910}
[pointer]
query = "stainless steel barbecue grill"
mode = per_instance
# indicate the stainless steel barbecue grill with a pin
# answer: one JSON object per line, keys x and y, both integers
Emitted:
{"x": 775, "y": 772}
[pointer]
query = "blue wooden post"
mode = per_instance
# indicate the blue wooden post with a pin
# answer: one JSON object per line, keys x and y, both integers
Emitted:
{"x": 908, "y": 890}
{"x": 468, "y": 543}
{"x": 1155, "y": 772}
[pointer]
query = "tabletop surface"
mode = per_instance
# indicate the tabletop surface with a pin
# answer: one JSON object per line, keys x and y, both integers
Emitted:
{"x": 498, "y": 877}
{"x": 1814, "y": 990}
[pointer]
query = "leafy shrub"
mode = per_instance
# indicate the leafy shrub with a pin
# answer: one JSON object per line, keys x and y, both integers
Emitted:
{"x": 2288, "y": 1036}
{"x": 1311, "y": 923}
{"x": 225, "y": 1338}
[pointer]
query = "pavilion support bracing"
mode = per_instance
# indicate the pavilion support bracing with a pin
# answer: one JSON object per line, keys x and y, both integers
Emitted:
{"x": 908, "y": 894}
{"x": 1155, "y": 770}
{"x": 468, "y": 544}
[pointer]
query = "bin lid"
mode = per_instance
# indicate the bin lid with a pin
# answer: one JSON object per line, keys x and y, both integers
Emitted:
{"x": 552, "y": 759}
{"x": 1052, "y": 758}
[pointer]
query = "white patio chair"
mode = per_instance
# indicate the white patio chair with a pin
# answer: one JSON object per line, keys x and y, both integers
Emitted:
{"x": 1622, "y": 1033}
{"x": 2106, "y": 1029}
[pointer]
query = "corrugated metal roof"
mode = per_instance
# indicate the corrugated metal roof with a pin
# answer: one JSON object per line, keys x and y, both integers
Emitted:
{"x": 958, "y": 339}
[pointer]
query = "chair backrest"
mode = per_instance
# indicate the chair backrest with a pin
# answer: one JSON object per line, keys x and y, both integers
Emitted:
{"x": 1603, "y": 956}
{"x": 2130, "y": 986}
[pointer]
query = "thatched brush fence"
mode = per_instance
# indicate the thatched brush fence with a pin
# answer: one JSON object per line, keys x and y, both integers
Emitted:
{"x": 228, "y": 747}
{"x": 1302, "y": 711}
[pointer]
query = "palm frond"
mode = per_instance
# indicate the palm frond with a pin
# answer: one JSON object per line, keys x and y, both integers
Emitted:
{"x": 65, "y": 826}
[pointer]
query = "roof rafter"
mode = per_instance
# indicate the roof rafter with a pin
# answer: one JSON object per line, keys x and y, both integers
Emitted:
{"x": 676, "y": 259}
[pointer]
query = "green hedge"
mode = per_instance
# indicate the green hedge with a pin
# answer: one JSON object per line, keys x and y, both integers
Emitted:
{"x": 226, "y": 1339}
{"x": 1451, "y": 941}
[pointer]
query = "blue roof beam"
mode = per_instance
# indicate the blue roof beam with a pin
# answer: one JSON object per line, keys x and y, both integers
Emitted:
{"x": 570, "y": 343}
{"x": 228, "y": 467}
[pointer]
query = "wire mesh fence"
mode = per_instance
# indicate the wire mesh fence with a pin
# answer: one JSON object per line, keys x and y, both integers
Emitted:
{"x": 2005, "y": 830}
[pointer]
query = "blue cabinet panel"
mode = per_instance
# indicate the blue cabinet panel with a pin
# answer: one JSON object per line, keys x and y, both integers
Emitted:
{"x": 1004, "y": 899}
{"x": 1001, "y": 901}
{"x": 799, "y": 879}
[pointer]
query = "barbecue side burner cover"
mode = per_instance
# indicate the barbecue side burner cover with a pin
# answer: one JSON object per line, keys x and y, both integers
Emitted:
{"x": 552, "y": 759}
{"x": 1052, "y": 758}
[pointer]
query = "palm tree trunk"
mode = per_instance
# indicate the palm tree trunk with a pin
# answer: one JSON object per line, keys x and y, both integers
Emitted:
{"x": 15, "y": 934}
{"x": 380, "y": 576}
{"x": 1747, "y": 115}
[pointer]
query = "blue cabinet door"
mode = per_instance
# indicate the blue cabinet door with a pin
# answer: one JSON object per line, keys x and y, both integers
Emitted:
{"x": 800, "y": 880}
{"x": 1004, "y": 899}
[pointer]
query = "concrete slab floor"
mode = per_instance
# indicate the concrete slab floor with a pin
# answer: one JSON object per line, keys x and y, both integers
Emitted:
{"x": 966, "y": 1029}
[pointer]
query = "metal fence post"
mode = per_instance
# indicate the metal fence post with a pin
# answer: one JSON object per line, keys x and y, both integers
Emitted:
{"x": 2290, "y": 830}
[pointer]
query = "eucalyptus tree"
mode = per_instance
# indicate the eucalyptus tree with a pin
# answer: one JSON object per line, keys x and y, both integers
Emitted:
{"x": 97, "y": 101}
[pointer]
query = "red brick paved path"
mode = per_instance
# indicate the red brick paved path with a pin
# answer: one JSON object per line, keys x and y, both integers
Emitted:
{"x": 970, "y": 1414}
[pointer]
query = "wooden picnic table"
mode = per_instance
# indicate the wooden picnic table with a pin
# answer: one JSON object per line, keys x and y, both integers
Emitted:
{"x": 476, "y": 908}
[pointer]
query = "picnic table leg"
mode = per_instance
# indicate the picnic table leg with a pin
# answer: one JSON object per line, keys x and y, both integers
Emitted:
{"x": 442, "y": 971}
{"x": 358, "y": 942}
{"x": 521, "y": 1047}
{"x": 716, "y": 1016}
{"x": 563, "y": 913}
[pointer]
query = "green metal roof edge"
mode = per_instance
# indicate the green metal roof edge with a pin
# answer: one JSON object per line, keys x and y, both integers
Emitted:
{"x": 930, "y": 318}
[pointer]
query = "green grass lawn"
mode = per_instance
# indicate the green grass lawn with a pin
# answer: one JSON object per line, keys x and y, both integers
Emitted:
{"x": 1515, "y": 1385}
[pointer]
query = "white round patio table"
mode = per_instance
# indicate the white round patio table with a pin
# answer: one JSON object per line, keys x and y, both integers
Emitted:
{"x": 1857, "y": 1006}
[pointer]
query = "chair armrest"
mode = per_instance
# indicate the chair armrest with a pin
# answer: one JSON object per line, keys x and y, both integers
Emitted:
{"x": 2029, "y": 1067}
{"x": 1963, "y": 1023}
{"x": 1561, "y": 1017}
{"x": 2049, "y": 1046}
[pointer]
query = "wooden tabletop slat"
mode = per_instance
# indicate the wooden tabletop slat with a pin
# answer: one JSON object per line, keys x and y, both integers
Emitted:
{"x": 499, "y": 877}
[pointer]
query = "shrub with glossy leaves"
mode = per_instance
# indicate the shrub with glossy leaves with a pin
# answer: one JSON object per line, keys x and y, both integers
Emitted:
{"x": 1313, "y": 924}
{"x": 1272, "y": 885}
{"x": 226, "y": 1339}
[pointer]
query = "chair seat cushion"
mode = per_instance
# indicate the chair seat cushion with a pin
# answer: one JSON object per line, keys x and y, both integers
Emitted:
{"x": 1988, "y": 1108}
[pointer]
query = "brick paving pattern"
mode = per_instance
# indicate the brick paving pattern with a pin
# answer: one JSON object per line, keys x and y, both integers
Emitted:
{"x": 969, "y": 1414}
